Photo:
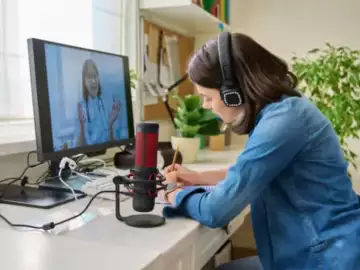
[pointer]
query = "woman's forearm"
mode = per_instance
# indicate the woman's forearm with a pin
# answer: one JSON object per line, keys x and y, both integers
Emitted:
{"x": 111, "y": 135}
{"x": 212, "y": 177}
{"x": 203, "y": 178}
{"x": 81, "y": 139}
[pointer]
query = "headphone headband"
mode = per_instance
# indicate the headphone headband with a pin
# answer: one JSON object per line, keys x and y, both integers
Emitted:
{"x": 224, "y": 50}
{"x": 230, "y": 92}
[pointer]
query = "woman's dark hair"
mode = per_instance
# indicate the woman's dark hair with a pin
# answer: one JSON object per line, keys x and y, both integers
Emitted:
{"x": 261, "y": 76}
{"x": 85, "y": 93}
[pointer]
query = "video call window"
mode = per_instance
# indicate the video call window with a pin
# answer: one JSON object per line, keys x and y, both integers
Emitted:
{"x": 87, "y": 97}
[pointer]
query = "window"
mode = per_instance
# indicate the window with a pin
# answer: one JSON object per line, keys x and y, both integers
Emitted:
{"x": 97, "y": 24}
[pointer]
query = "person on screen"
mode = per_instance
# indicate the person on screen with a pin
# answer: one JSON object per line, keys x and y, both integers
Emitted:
{"x": 96, "y": 126}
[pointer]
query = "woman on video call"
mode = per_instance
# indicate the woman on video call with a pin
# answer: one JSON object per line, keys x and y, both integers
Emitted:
{"x": 95, "y": 125}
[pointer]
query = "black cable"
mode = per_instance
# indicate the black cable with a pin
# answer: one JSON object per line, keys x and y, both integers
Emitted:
{"x": 12, "y": 180}
{"x": 23, "y": 178}
{"x": 52, "y": 225}
{"x": 7, "y": 186}
{"x": 28, "y": 160}
{"x": 19, "y": 178}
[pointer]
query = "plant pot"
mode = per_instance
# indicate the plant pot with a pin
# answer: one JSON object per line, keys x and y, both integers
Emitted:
{"x": 188, "y": 147}
{"x": 217, "y": 143}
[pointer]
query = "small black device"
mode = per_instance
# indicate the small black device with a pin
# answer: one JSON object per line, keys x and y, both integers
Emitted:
{"x": 230, "y": 92}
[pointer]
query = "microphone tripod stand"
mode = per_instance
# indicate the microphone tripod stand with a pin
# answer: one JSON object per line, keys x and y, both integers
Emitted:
{"x": 138, "y": 220}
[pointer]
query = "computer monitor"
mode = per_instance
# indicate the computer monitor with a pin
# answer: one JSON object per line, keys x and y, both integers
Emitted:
{"x": 81, "y": 99}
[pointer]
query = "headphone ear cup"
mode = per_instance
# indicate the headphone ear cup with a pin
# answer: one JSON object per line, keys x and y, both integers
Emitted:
{"x": 231, "y": 97}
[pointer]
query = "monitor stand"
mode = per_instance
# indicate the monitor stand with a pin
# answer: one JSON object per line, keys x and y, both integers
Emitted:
{"x": 49, "y": 194}
{"x": 36, "y": 197}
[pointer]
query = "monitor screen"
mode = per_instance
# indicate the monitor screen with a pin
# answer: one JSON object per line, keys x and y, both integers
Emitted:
{"x": 82, "y": 99}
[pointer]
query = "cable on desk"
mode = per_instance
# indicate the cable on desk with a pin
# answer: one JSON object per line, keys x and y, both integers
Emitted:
{"x": 52, "y": 225}
{"x": 23, "y": 178}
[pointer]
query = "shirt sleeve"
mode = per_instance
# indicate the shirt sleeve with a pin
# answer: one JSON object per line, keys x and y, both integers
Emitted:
{"x": 276, "y": 140}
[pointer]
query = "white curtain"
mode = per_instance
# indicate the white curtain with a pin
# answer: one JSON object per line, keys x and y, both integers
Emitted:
{"x": 97, "y": 24}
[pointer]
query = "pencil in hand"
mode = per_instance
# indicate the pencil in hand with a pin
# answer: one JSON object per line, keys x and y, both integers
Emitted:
{"x": 174, "y": 162}
{"x": 174, "y": 159}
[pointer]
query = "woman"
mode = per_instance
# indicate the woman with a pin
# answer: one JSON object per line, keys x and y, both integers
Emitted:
{"x": 305, "y": 214}
{"x": 96, "y": 126}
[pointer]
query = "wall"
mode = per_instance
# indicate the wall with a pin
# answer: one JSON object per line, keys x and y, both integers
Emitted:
{"x": 287, "y": 27}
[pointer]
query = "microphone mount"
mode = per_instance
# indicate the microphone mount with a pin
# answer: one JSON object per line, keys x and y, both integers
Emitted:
{"x": 137, "y": 220}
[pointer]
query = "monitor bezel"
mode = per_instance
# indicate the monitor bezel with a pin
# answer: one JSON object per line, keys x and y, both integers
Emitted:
{"x": 41, "y": 104}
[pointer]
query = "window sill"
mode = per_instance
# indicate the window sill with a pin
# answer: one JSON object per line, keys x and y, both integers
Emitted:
{"x": 17, "y": 136}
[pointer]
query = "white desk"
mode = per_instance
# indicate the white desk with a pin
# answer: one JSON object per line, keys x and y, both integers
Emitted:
{"x": 180, "y": 244}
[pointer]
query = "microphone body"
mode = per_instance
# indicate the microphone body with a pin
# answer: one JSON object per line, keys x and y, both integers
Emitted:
{"x": 144, "y": 193}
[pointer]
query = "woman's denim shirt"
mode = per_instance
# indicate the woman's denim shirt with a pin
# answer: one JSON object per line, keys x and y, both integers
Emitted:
{"x": 305, "y": 214}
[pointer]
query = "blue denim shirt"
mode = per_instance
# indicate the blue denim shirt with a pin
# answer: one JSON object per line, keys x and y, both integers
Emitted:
{"x": 305, "y": 214}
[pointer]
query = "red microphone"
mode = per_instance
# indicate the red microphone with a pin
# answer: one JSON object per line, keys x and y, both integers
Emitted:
{"x": 147, "y": 138}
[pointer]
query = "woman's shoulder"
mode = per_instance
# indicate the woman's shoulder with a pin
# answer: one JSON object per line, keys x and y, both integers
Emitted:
{"x": 291, "y": 108}
{"x": 292, "y": 113}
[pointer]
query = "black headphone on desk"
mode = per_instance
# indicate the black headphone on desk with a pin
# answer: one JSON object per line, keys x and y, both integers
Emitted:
{"x": 230, "y": 91}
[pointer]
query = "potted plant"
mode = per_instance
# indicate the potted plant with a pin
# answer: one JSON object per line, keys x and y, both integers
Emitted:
{"x": 191, "y": 120}
{"x": 330, "y": 78}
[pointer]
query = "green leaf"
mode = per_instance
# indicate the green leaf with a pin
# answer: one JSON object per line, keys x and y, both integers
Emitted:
{"x": 330, "y": 78}
{"x": 180, "y": 101}
{"x": 194, "y": 117}
{"x": 206, "y": 115}
{"x": 211, "y": 128}
{"x": 191, "y": 119}
{"x": 189, "y": 131}
{"x": 178, "y": 123}
{"x": 314, "y": 50}
{"x": 192, "y": 102}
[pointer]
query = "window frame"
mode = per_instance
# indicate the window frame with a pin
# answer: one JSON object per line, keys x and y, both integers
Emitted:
{"x": 18, "y": 135}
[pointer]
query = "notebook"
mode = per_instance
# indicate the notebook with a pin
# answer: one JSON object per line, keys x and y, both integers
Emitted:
{"x": 207, "y": 188}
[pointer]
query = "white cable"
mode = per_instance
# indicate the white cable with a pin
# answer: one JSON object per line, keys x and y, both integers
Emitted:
{"x": 65, "y": 184}
{"x": 90, "y": 160}
{"x": 83, "y": 175}
{"x": 114, "y": 170}
{"x": 72, "y": 166}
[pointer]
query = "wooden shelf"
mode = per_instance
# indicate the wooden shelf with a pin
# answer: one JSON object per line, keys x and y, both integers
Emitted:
{"x": 182, "y": 16}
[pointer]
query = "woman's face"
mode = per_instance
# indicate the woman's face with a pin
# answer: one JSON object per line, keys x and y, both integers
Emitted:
{"x": 212, "y": 101}
{"x": 92, "y": 81}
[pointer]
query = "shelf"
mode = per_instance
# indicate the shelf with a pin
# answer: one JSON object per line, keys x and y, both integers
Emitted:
{"x": 182, "y": 16}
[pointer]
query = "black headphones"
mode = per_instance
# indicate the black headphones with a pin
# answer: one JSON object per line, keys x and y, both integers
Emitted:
{"x": 230, "y": 91}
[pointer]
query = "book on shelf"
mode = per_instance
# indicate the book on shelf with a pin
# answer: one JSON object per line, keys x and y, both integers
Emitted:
{"x": 217, "y": 8}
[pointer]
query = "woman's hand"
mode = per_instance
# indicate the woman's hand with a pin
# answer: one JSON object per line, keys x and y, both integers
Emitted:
{"x": 178, "y": 168}
{"x": 189, "y": 178}
{"x": 171, "y": 178}
{"x": 81, "y": 115}
{"x": 114, "y": 112}
{"x": 181, "y": 175}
